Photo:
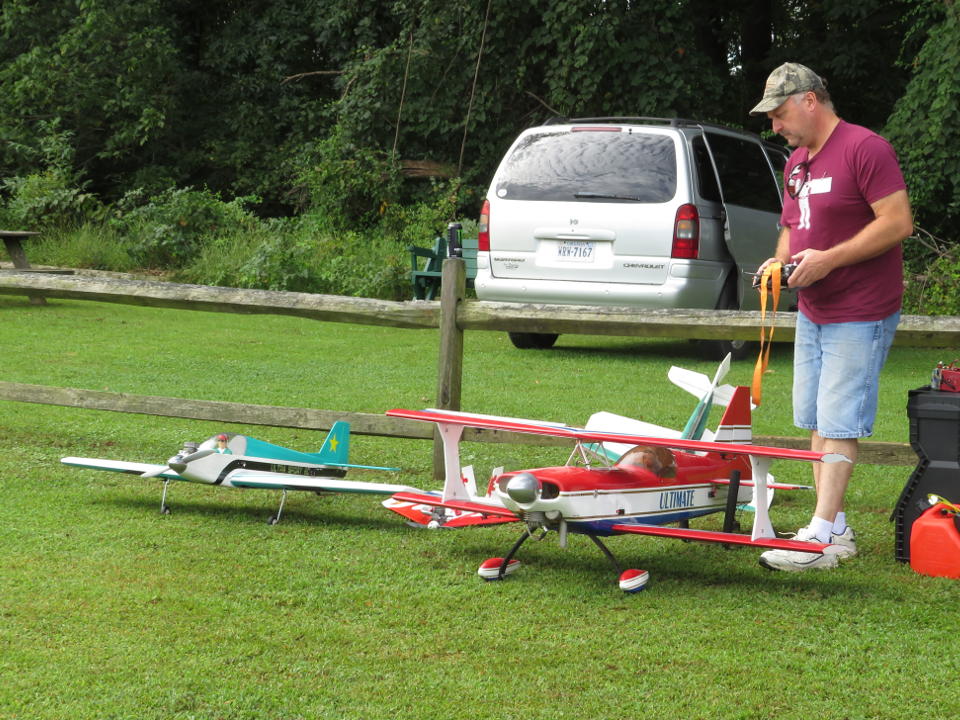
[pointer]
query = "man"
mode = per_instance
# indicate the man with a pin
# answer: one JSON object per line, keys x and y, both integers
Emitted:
{"x": 845, "y": 215}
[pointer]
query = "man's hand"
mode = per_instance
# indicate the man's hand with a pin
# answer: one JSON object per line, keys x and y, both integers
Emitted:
{"x": 766, "y": 263}
{"x": 812, "y": 265}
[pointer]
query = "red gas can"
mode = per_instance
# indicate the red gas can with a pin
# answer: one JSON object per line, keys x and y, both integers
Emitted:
{"x": 935, "y": 543}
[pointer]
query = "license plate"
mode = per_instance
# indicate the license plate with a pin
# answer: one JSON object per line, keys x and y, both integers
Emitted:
{"x": 575, "y": 251}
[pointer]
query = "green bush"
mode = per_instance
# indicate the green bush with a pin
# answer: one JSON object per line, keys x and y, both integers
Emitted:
{"x": 333, "y": 247}
{"x": 167, "y": 230}
{"x": 302, "y": 255}
{"x": 936, "y": 291}
{"x": 45, "y": 199}
{"x": 93, "y": 245}
{"x": 346, "y": 186}
{"x": 932, "y": 269}
{"x": 54, "y": 196}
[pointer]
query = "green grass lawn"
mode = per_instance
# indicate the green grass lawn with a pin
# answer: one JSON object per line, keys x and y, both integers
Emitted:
{"x": 110, "y": 610}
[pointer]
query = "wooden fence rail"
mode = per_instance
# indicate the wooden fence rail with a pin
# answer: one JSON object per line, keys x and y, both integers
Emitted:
{"x": 913, "y": 331}
{"x": 452, "y": 315}
{"x": 360, "y": 423}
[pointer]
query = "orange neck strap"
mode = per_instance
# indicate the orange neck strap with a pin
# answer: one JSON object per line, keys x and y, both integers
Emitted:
{"x": 771, "y": 277}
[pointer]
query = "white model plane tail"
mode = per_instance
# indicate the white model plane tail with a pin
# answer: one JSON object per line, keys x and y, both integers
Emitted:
{"x": 706, "y": 391}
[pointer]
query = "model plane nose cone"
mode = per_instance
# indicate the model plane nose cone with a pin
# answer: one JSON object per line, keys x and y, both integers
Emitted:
{"x": 523, "y": 488}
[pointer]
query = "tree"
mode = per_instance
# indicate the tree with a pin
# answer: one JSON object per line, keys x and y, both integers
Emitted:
{"x": 925, "y": 124}
{"x": 243, "y": 97}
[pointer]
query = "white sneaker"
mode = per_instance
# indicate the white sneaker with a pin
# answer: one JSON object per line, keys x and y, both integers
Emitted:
{"x": 847, "y": 543}
{"x": 793, "y": 561}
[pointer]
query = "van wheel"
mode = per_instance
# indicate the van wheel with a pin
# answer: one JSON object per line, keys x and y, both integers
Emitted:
{"x": 718, "y": 349}
{"x": 533, "y": 341}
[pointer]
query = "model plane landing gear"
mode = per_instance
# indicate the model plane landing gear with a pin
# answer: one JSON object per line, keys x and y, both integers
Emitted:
{"x": 274, "y": 519}
{"x": 164, "y": 508}
{"x": 631, "y": 581}
{"x": 498, "y": 568}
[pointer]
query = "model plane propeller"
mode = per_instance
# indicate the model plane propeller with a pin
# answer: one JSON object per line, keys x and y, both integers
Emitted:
{"x": 240, "y": 461}
{"x": 657, "y": 482}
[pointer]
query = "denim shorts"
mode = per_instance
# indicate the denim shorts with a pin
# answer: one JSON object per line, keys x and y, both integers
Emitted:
{"x": 836, "y": 372}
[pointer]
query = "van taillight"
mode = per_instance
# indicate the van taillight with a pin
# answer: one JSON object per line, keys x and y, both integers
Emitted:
{"x": 483, "y": 236}
{"x": 686, "y": 233}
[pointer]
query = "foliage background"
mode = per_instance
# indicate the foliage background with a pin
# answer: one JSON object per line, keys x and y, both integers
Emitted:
{"x": 387, "y": 118}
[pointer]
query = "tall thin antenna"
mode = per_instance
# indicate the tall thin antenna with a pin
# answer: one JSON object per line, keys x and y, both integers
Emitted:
{"x": 473, "y": 88}
{"x": 403, "y": 92}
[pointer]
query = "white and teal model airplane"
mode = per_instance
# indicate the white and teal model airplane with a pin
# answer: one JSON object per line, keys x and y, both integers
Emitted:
{"x": 241, "y": 461}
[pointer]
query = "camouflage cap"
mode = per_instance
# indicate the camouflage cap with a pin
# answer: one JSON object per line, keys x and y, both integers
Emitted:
{"x": 788, "y": 79}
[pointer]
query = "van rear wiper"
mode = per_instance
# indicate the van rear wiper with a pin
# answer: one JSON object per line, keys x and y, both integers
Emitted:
{"x": 604, "y": 196}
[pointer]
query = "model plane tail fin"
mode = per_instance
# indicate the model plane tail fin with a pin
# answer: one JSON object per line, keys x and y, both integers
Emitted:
{"x": 336, "y": 447}
{"x": 700, "y": 386}
{"x": 735, "y": 425}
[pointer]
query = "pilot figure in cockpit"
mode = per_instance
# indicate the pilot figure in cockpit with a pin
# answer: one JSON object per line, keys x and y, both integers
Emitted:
{"x": 658, "y": 460}
{"x": 222, "y": 445}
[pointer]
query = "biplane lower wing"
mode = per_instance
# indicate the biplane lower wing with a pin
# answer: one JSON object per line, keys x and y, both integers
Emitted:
{"x": 770, "y": 485}
{"x": 437, "y": 516}
{"x": 460, "y": 505}
{"x": 725, "y": 538}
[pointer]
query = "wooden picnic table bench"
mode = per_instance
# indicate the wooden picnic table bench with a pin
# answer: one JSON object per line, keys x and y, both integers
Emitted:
{"x": 426, "y": 279}
{"x": 11, "y": 239}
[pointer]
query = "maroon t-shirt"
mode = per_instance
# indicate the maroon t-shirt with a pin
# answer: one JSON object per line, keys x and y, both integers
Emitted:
{"x": 854, "y": 168}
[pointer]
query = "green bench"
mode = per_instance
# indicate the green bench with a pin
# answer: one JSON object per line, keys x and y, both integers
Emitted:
{"x": 426, "y": 277}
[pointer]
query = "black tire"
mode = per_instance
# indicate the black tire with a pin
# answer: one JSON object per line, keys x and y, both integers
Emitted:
{"x": 718, "y": 349}
{"x": 533, "y": 341}
{"x": 738, "y": 349}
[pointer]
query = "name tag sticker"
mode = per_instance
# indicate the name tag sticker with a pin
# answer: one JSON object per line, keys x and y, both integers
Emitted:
{"x": 819, "y": 186}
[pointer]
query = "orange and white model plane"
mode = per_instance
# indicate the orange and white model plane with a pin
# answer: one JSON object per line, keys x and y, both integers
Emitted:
{"x": 654, "y": 482}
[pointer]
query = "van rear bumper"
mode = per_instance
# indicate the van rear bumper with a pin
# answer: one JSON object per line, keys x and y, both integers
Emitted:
{"x": 687, "y": 286}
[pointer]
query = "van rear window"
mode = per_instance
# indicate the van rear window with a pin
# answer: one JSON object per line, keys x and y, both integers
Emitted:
{"x": 591, "y": 167}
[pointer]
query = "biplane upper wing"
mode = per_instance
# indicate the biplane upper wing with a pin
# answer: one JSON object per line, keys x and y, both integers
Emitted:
{"x": 313, "y": 483}
{"x": 533, "y": 427}
{"x": 122, "y": 466}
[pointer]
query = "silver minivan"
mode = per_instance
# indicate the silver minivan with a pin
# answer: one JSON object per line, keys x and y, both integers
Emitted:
{"x": 638, "y": 212}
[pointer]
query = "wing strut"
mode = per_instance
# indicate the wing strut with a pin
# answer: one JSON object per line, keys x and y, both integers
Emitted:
{"x": 453, "y": 487}
{"x": 762, "y": 527}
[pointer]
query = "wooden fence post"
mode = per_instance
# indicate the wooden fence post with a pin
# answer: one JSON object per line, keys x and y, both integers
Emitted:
{"x": 453, "y": 285}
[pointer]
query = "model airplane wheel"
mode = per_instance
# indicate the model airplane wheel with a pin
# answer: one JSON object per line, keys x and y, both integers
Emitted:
{"x": 490, "y": 569}
{"x": 164, "y": 510}
{"x": 632, "y": 581}
{"x": 273, "y": 520}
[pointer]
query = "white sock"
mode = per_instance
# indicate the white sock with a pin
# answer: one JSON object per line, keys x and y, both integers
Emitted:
{"x": 840, "y": 523}
{"x": 820, "y": 528}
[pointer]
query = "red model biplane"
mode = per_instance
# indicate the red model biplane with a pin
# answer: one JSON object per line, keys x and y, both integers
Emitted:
{"x": 657, "y": 482}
